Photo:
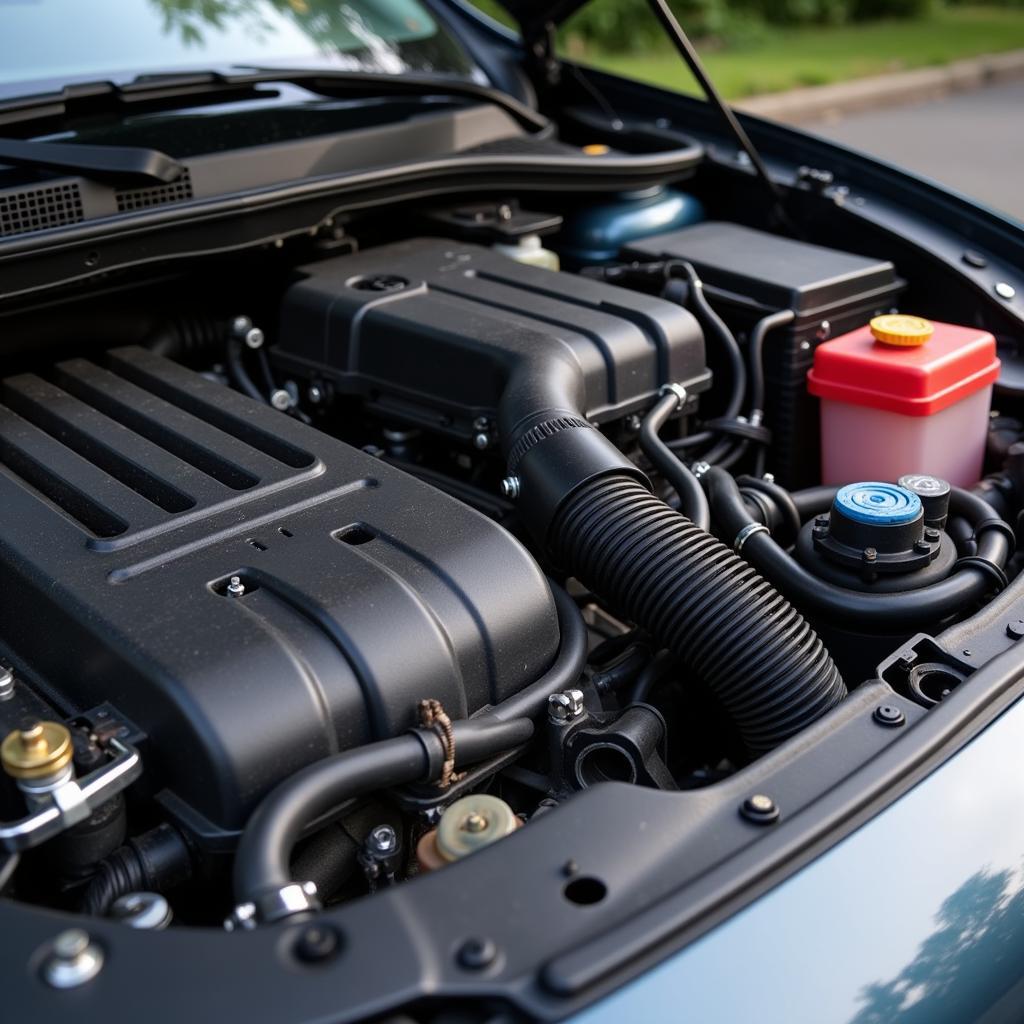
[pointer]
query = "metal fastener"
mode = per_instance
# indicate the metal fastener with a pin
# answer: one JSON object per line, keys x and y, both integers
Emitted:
{"x": 280, "y": 400}
{"x": 922, "y": 547}
{"x": 889, "y": 715}
{"x": 476, "y": 954}
{"x": 240, "y": 325}
{"x": 6, "y": 683}
{"x": 1004, "y": 290}
{"x": 315, "y": 394}
{"x": 148, "y": 911}
{"x": 510, "y": 487}
{"x": 236, "y": 588}
{"x": 760, "y": 809}
{"x": 563, "y": 707}
{"x": 1015, "y": 629}
{"x": 870, "y": 555}
{"x": 481, "y": 440}
{"x": 253, "y": 338}
{"x": 74, "y": 959}
{"x": 383, "y": 839}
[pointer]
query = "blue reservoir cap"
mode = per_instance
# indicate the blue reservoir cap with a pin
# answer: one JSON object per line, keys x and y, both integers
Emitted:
{"x": 878, "y": 504}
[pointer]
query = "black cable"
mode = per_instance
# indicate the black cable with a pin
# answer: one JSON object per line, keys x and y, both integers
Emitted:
{"x": 239, "y": 374}
{"x": 686, "y": 49}
{"x": 693, "y": 501}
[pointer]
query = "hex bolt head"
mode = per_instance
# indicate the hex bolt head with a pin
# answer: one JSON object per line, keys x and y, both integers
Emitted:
{"x": 932, "y": 535}
{"x": 870, "y": 554}
{"x": 922, "y": 547}
{"x": 383, "y": 839}
{"x": 889, "y": 715}
{"x": 1015, "y": 629}
{"x": 565, "y": 706}
{"x": 760, "y": 809}
{"x": 476, "y": 954}
{"x": 236, "y": 588}
{"x": 74, "y": 959}
{"x": 281, "y": 400}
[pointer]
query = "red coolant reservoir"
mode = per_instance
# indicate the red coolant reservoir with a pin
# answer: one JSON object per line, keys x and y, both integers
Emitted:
{"x": 904, "y": 395}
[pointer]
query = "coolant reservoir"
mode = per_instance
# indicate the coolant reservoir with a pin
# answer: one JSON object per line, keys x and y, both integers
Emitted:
{"x": 904, "y": 395}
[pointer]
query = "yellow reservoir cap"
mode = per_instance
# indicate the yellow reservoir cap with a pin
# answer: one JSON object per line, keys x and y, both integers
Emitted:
{"x": 902, "y": 330}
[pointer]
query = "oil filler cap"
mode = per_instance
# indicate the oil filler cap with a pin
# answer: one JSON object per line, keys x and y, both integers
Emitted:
{"x": 901, "y": 330}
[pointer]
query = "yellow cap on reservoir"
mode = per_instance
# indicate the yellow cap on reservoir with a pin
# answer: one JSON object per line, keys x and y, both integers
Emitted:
{"x": 902, "y": 330}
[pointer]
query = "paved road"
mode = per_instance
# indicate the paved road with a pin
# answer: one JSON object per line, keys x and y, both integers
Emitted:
{"x": 973, "y": 142}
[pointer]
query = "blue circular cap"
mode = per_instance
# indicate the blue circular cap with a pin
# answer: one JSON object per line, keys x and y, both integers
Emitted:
{"x": 878, "y": 504}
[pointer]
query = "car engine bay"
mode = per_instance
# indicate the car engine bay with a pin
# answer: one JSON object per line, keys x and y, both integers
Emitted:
{"x": 334, "y": 568}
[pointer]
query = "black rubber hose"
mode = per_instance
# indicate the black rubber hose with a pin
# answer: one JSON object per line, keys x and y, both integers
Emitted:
{"x": 888, "y": 613}
{"x": 723, "y": 622}
{"x": 693, "y": 501}
{"x": 781, "y": 498}
{"x": 239, "y": 374}
{"x": 262, "y": 863}
{"x": 263, "y": 857}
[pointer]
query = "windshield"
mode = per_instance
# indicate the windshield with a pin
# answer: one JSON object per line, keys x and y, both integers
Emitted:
{"x": 65, "y": 40}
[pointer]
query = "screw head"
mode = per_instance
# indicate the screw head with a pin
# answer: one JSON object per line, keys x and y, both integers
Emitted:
{"x": 474, "y": 822}
{"x": 1015, "y": 629}
{"x": 889, "y": 715}
{"x": 760, "y": 808}
{"x": 74, "y": 959}
{"x": 6, "y": 683}
{"x": 1004, "y": 290}
{"x": 932, "y": 535}
{"x": 922, "y": 547}
{"x": 476, "y": 954}
{"x": 481, "y": 441}
{"x": 870, "y": 554}
{"x": 240, "y": 325}
{"x": 236, "y": 588}
{"x": 280, "y": 400}
{"x": 315, "y": 394}
{"x": 253, "y": 338}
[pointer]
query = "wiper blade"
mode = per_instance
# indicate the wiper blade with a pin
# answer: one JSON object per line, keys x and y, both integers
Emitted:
{"x": 164, "y": 90}
{"x": 118, "y": 165}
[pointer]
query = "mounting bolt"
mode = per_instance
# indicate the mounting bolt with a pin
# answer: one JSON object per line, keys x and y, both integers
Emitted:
{"x": 922, "y": 547}
{"x": 148, "y": 911}
{"x": 6, "y": 683}
{"x": 698, "y": 469}
{"x": 760, "y": 809}
{"x": 565, "y": 706}
{"x": 481, "y": 440}
{"x": 510, "y": 487}
{"x": 240, "y": 325}
{"x": 317, "y": 943}
{"x": 236, "y": 588}
{"x": 1015, "y": 629}
{"x": 280, "y": 399}
{"x": 74, "y": 959}
{"x": 870, "y": 555}
{"x": 1004, "y": 290}
{"x": 315, "y": 394}
{"x": 889, "y": 715}
{"x": 253, "y": 338}
{"x": 476, "y": 954}
{"x": 383, "y": 839}
{"x": 932, "y": 535}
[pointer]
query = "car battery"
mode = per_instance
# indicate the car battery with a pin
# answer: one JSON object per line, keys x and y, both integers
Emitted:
{"x": 748, "y": 274}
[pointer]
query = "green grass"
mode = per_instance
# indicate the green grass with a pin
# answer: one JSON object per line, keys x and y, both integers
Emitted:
{"x": 817, "y": 56}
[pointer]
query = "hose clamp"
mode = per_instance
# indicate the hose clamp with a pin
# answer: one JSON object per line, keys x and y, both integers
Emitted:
{"x": 674, "y": 389}
{"x": 698, "y": 469}
{"x": 274, "y": 905}
{"x": 746, "y": 533}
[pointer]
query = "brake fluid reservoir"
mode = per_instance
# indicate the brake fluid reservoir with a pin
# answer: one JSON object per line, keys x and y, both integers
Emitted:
{"x": 904, "y": 395}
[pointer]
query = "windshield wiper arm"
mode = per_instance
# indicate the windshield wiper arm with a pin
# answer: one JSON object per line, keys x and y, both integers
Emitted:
{"x": 164, "y": 90}
{"x": 118, "y": 165}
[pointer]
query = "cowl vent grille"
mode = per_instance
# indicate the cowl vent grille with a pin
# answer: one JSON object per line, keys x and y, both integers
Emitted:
{"x": 34, "y": 209}
{"x": 143, "y": 198}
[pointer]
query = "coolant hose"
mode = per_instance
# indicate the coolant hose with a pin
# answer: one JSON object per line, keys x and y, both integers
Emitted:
{"x": 693, "y": 501}
{"x": 722, "y": 621}
{"x": 262, "y": 863}
{"x": 888, "y": 613}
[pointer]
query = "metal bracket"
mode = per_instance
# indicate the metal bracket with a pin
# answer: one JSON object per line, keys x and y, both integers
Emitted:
{"x": 73, "y": 800}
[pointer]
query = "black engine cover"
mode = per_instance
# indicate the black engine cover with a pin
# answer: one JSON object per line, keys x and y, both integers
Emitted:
{"x": 132, "y": 493}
